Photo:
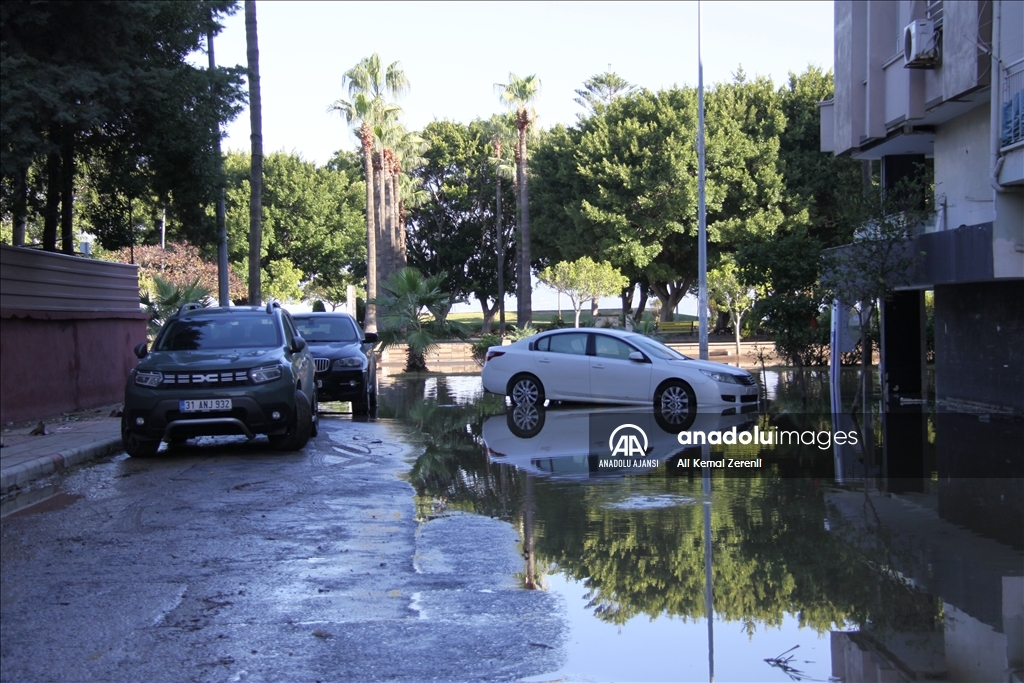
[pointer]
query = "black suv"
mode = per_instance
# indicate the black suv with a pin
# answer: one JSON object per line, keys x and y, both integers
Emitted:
{"x": 346, "y": 365}
{"x": 228, "y": 370}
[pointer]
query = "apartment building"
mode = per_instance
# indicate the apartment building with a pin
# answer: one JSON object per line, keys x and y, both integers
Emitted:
{"x": 943, "y": 83}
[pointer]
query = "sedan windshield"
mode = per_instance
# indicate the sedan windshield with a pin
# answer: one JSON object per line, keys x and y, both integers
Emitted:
{"x": 323, "y": 329}
{"x": 656, "y": 349}
{"x": 193, "y": 334}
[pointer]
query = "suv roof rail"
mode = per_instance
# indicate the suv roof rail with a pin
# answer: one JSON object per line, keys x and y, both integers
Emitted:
{"x": 272, "y": 304}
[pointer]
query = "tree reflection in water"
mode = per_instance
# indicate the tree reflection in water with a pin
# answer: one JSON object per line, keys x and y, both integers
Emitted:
{"x": 777, "y": 547}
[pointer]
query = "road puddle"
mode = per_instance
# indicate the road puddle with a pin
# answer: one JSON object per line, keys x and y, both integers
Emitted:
{"x": 767, "y": 549}
{"x": 48, "y": 499}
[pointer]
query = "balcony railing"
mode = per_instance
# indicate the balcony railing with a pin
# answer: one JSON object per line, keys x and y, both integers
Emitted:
{"x": 1013, "y": 104}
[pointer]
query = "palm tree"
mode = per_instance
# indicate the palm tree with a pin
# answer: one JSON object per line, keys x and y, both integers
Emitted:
{"x": 518, "y": 95}
{"x": 368, "y": 84}
{"x": 407, "y": 154}
{"x": 502, "y": 132}
{"x": 416, "y": 311}
{"x": 256, "y": 163}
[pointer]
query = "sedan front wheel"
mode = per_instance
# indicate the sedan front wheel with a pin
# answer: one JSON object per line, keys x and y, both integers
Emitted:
{"x": 675, "y": 404}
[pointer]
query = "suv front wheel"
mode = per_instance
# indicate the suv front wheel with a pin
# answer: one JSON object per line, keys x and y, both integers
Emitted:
{"x": 134, "y": 445}
{"x": 300, "y": 429}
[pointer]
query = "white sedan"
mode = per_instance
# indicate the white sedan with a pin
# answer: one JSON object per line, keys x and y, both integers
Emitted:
{"x": 612, "y": 366}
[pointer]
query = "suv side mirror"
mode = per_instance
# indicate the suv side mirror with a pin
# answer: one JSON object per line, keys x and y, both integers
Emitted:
{"x": 370, "y": 338}
{"x": 298, "y": 344}
{"x": 142, "y": 350}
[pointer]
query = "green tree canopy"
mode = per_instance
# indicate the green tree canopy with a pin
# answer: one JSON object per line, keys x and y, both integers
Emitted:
{"x": 583, "y": 280}
{"x": 454, "y": 231}
{"x": 106, "y": 86}
{"x": 312, "y": 218}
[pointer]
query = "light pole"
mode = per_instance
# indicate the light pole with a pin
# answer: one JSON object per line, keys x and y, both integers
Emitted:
{"x": 702, "y": 237}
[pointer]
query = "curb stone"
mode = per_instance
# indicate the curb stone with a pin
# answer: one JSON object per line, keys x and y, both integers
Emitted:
{"x": 26, "y": 472}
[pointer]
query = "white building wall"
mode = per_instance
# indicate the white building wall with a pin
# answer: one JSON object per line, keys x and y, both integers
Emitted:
{"x": 962, "y": 173}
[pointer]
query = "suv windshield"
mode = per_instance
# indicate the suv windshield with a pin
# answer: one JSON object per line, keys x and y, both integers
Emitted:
{"x": 193, "y": 334}
{"x": 323, "y": 329}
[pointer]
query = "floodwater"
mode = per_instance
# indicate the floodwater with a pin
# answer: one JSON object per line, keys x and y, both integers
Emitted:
{"x": 892, "y": 553}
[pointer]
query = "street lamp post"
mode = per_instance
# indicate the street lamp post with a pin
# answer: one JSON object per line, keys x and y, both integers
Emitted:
{"x": 702, "y": 237}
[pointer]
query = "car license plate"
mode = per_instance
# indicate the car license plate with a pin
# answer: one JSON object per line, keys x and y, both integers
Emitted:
{"x": 319, "y": 384}
{"x": 205, "y": 405}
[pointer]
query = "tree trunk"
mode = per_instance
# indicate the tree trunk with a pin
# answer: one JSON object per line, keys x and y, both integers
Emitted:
{"x": 223, "y": 290}
{"x": 51, "y": 216}
{"x": 641, "y": 307}
{"x": 526, "y": 280}
{"x": 489, "y": 312}
{"x": 578, "y": 309}
{"x": 256, "y": 162}
{"x": 670, "y": 294}
{"x": 416, "y": 362}
{"x": 396, "y": 251}
{"x": 382, "y": 232}
{"x": 19, "y": 210}
{"x": 737, "y": 318}
{"x": 627, "y": 302}
{"x": 67, "y": 193}
{"x": 370, "y": 320}
{"x": 595, "y": 310}
{"x": 499, "y": 233}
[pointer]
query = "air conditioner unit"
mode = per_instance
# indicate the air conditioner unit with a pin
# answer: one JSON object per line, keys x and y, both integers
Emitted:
{"x": 921, "y": 45}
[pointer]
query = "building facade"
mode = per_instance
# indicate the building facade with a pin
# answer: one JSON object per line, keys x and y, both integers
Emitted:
{"x": 927, "y": 81}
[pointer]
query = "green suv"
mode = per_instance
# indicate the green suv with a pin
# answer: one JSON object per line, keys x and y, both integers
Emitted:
{"x": 228, "y": 370}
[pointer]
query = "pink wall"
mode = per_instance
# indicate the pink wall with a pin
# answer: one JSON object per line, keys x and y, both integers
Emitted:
{"x": 54, "y": 362}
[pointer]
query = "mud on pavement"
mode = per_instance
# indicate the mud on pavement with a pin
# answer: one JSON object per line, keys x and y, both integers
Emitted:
{"x": 227, "y": 561}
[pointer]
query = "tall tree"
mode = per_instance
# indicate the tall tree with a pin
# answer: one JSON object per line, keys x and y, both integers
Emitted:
{"x": 312, "y": 218}
{"x": 583, "y": 280}
{"x": 518, "y": 95}
{"x": 103, "y": 92}
{"x": 368, "y": 83}
{"x": 600, "y": 90}
{"x": 502, "y": 132}
{"x": 256, "y": 161}
{"x": 454, "y": 231}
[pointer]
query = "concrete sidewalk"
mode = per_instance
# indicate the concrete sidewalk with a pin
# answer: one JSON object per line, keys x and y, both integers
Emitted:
{"x": 69, "y": 440}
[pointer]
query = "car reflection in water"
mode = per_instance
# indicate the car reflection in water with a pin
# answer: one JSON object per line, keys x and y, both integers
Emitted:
{"x": 586, "y": 442}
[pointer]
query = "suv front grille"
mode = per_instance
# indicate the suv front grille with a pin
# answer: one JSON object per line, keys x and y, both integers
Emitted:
{"x": 226, "y": 378}
{"x": 322, "y": 364}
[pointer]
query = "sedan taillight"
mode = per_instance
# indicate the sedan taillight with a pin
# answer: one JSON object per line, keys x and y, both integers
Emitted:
{"x": 493, "y": 354}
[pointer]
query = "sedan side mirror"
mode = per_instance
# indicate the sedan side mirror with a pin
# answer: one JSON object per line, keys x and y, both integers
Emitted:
{"x": 142, "y": 350}
{"x": 370, "y": 338}
{"x": 298, "y": 344}
{"x": 637, "y": 356}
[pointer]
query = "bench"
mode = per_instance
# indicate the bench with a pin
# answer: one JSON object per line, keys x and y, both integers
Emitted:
{"x": 678, "y": 327}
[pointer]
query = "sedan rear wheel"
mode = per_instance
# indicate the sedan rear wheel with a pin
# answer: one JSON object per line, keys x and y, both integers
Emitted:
{"x": 525, "y": 389}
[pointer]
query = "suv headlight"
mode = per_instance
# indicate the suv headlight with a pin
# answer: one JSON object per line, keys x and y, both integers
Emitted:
{"x": 343, "y": 363}
{"x": 148, "y": 379}
{"x": 267, "y": 373}
{"x": 724, "y": 377}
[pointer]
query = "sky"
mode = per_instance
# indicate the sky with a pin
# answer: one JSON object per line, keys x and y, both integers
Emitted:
{"x": 454, "y": 53}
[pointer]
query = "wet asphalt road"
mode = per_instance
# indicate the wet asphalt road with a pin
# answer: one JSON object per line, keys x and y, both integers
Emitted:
{"x": 234, "y": 562}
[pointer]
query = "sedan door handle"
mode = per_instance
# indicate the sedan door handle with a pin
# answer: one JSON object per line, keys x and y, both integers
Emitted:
{"x": 597, "y": 367}
{"x": 543, "y": 360}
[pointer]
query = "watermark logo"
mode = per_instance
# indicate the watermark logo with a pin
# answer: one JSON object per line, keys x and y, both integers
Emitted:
{"x": 628, "y": 442}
